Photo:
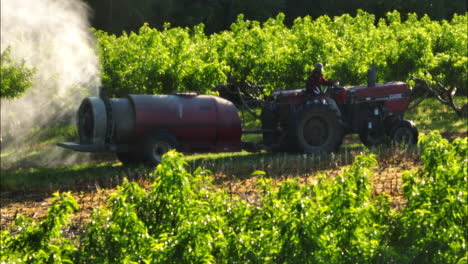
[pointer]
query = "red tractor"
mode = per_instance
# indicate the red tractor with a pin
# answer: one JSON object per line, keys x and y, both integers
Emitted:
{"x": 297, "y": 120}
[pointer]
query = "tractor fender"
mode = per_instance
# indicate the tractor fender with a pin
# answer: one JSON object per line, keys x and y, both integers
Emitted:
{"x": 318, "y": 101}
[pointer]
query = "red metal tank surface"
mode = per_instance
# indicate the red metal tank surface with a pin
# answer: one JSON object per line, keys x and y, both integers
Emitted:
{"x": 198, "y": 122}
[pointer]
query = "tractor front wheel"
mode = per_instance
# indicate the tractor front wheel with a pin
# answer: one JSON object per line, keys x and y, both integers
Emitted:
{"x": 318, "y": 128}
{"x": 404, "y": 132}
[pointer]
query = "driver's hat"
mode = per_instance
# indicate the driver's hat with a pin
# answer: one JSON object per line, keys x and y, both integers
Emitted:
{"x": 319, "y": 66}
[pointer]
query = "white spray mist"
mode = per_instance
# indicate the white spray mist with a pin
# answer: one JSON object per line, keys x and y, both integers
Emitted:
{"x": 54, "y": 37}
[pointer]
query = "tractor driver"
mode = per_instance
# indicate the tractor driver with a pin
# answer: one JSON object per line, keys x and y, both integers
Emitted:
{"x": 316, "y": 80}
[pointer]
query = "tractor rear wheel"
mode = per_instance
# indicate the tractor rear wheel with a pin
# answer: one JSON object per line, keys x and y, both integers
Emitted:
{"x": 156, "y": 146}
{"x": 404, "y": 132}
{"x": 318, "y": 128}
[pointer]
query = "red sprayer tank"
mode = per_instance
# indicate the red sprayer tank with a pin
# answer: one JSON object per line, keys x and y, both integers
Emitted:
{"x": 199, "y": 122}
{"x": 187, "y": 122}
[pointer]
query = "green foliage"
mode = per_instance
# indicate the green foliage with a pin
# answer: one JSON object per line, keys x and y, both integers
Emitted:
{"x": 274, "y": 56}
{"x": 182, "y": 218}
{"x": 153, "y": 61}
{"x": 451, "y": 61}
{"x": 118, "y": 15}
{"x": 15, "y": 77}
{"x": 42, "y": 242}
{"x": 431, "y": 115}
{"x": 432, "y": 227}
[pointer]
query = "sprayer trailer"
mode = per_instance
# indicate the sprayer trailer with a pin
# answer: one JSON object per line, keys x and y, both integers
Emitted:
{"x": 144, "y": 127}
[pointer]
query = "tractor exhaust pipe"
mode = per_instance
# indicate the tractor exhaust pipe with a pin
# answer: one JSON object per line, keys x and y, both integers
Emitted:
{"x": 372, "y": 76}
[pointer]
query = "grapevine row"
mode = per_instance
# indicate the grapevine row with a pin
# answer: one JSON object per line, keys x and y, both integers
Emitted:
{"x": 274, "y": 56}
{"x": 184, "y": 218}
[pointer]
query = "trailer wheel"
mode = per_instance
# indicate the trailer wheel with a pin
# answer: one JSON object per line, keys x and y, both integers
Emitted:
{"x": 404, "y": 132}
{"x": 156, "y": 146}
{"x": 318, "y": 128}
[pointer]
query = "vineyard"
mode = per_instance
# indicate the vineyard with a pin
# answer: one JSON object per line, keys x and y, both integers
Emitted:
{"x": 182, "y": 217}
{"x": 273, "y": 56}
{"x": 358, "y": 205}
